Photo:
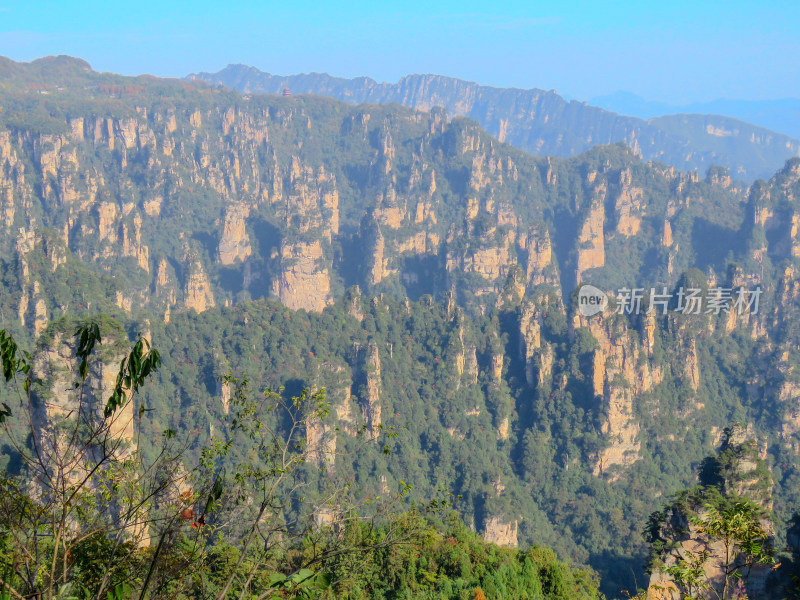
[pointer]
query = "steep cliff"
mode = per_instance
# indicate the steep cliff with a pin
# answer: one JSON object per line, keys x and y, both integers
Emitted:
{"x": 621, "y": 372}
{"x": 298, "y": 198}
{"x": 591, "y": 240}
{"x": 304, "y": 280}
{"x": 497, "y": 531}
{"x": 234, "y": 245}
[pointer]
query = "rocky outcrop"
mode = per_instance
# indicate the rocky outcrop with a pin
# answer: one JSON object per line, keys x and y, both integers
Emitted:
{"x": 628, "y": 205}
{"x": 106, "y": 217}
{"x": 535, "y": 353}
{"x": 15, "y": 194}
{"x": 364, "y": 395}
{"x": 497, "y": 530}
{"x": 320, "y": 443}
{"x": 58, "y": 404}
{"x": 591, "y": 239}
{"x": 737, "y": 471}
{"x": 197, "y": 290}
{"x": 621, "y": 371}
{"x": 376, "y": 266}
{"x": 39, "y": 311}
{"x": 304, "y": 279}
{"x": 489, "y": 262}
{"x": 666, "y": 235}
{"x": 132, "y": 244}
{"x": 164, "y": 288}
{"x": 541, "y": 267}
{"x": 311, "y": 201}
{"x": 789, "y": 397}
{"x": 503, "y": 428}
{"x": 234, "y": 244}
{"x": 491, "y": 255}
{"x": 224, "y": 393}
{"x": 372, "y": 389}
{"x": 692, "y": 365}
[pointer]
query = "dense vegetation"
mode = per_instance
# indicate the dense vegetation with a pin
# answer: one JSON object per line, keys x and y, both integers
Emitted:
{"x": 448, "y": 423}
{"x": 99, "y": 511}
{"x": 119, "y": 200}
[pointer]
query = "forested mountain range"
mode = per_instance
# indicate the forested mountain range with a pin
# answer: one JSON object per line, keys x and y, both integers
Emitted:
{"x": 544, "y": 123}
{"x": 423, "y": 273}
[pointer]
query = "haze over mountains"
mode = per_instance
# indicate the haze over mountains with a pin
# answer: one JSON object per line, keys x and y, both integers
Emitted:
{"x": 778, "y": 115}
{"x": 544, "y": 123}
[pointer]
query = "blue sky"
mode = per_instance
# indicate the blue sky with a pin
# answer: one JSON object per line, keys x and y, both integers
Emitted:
{"x": 675, "y": 51}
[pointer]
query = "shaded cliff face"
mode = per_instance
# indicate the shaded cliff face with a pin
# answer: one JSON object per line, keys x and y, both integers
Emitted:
{"x": 543, "y": 123}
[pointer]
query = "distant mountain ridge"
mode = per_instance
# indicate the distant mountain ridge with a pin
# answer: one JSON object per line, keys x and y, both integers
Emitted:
{"x": 782, "y": 115}
{"x": 544, "y": 123}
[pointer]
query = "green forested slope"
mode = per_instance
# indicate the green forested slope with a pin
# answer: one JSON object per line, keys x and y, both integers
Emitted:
{"x": 236, "y": 231}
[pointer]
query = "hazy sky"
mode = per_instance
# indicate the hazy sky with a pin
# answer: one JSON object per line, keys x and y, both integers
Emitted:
{"x": 676, "y": 51}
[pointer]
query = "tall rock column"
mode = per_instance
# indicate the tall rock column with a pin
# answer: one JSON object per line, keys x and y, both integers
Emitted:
{"x": 304, "y": 281}
{"x": 591, "y": 241}
{"x": 58, "y": 403}
{"x": 198, "y": 288}
{"x": 234, "y": 244}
